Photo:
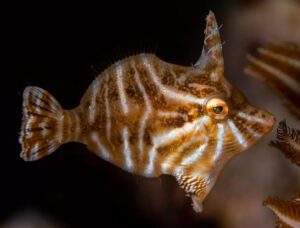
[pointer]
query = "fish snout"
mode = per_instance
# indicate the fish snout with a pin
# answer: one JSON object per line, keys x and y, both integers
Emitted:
{"x": 268, "y": 120}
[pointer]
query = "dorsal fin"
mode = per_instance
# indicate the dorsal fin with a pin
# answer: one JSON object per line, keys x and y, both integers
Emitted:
{"x": 212, "y": 54}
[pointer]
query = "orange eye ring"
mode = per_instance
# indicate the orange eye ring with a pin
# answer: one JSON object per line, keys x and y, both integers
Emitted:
{"x": 217, "y": 108}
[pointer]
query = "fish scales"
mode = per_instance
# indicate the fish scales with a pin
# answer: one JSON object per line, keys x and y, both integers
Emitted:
{"x": 150, "y": 117}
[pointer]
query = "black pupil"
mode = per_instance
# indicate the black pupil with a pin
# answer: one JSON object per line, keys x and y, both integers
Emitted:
{"x": 218, "y": 109}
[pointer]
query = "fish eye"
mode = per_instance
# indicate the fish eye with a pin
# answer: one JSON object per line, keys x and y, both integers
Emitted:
{"x": 217, "y": 108}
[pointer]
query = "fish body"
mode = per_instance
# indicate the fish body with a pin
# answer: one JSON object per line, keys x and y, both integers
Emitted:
{"x": 278, "y": 64}
{"x": 150, "y": 117}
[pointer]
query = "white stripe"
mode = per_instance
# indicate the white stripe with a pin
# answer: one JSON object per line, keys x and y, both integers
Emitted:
{"x": 200, "y": 86}
{"x": 92, "y": 108}
{"x": 41, "y": 92}
{"x": 28, "y": 126}
{"x": 38, "y": 99}
{"x": 214, "y": 76}
{"x": 237, "y": 134}
{"x": 168, "y": 161}
{"x": 178, "y": 172}
{"x": 253, "y": 133}
{"x": 181, "y": 79}
{"x": 287, "y": 220}
{"x": 196, "y": 155}
{"x": 68, "y": 130}
{"x": 284, "y": 78}
{"x": 168, "y": 114}
{"x": 34, "y": 155}
{"x": 173, "y": 74}
{"x": 103, "y": 151}
{"x": 146, "y": 113}
{"x": 45, "y": 131}
{"x": 220, "y": 139}
{"x": 282, "y": 58}
{"x": 171, "y": 114}
{"x": 175, "y": 133}
{"x": 127, "y": 151}
{"x": 60, "y": 122}
{"x": 43, "y": 125}
{"x": 107, "y": 110}
{"x": 168, "y": 92}
{"x": 38, "y": 94}
{"x": 29, "y": 122}
{"x": 123, "y": 100}
{"x": 150, "y": 167}
{"x": 35, "y": 148}
{"x": 71, "y": 118}
{"x": 77, "y": 125}
{"x": 251, "y": 118}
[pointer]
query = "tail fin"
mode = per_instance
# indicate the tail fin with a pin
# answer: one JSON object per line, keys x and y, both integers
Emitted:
{"x": 42, "y": 123}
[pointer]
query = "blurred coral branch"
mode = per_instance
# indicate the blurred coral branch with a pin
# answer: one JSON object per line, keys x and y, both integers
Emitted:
{"x": 278, "y": 64}
{"x": 288, "y": 142}
{"x": 287, "y": 211}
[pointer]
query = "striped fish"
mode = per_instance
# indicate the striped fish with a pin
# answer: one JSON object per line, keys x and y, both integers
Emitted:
{"x": 287, "y": 211}
{"x": 278, "y": 64}
{"x": 150, "y": 118}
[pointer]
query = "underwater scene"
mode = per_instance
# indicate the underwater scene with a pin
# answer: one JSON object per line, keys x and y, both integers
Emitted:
{"x": 151, "y": 114}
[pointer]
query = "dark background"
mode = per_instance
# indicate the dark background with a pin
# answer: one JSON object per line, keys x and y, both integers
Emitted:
{"x": 53, "y": 46}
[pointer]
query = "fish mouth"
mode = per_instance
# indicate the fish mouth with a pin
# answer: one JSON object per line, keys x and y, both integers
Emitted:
{"x": 259, "y": 130}
{"x": 269, "y": 122}
{"x": 252, "y": 125}
{"x": 258, "y": 119}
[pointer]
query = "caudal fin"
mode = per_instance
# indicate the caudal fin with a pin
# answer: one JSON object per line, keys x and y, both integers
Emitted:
{"x": 41, "y": 125}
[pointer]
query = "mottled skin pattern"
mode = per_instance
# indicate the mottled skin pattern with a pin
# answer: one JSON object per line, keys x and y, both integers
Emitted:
{"x": 150, "y": 118}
